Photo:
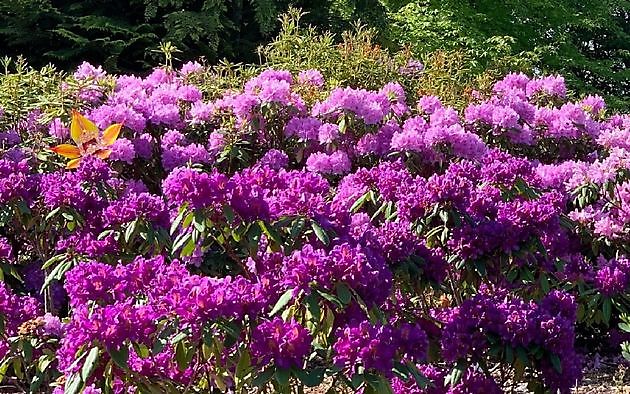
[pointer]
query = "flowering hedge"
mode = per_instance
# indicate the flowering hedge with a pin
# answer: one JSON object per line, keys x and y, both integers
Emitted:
{"x": 283, "y": 237}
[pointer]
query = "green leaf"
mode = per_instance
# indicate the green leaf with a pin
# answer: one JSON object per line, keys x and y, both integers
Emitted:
{"x": 357, "y": 380}
{"x": 320, "y": 233}
{"x": 36, "y": 382}
{"x": 23, "y": 207}
{"x": 607, "y": 310}
{"x": 262, "y": 378}
{"x": 312, "y": 303}
{"x": 4, "y": 367}
{"x": 228, "y": 212}
{"x": 43, "y": 363}
{"x": 521, "y": 353}
{"x": 342, "y": 125}
{"x": 27, "y": 351}
{"x": 444, "y": 216}
{"x": 456, "y": 373}
{"x": 142, "y": 350}
{"x": 158, "y": 346}
{"x": 331, "y": 298}
{"x": 555, "y": 362}
{"x": 120, "y": 356}
{"x": 178, "y": 219}
{"x": 180, "y": 336}
{"x": 421, "y": 380}
{"x": 180, "y": 355}
{"x": 181, "y": 240}
{"x": 270, "y": 232}
{"x": 188, "y": 219}
{"x": 188, "y": 249}
{"x": 282, "y": 376}
{"x": 282, "y": 302}
{"x": 509, "y": 354}
{"x": 312, "y": 378}
{"x": 52, "y": 213}
{"x": 244, "y": 365}
{"x": 131, "y": 230}
{"x": 544, "y": 283}
{"x": 53, "y": 260}
{"x": 359, "y": 202}
{"x": 480, "y": 267}
{"x": 90, "y": 363}
{"x": 57, "y": 273}
{"x": 401, "y": 370}
{"x": 183, "y": 355}
{"x": 296, "y": 227}
{"x": 380, "y": 210}
{"x": 199, "y": 222}
{"x": 73, "y": 385}
{"x": 378, "y": 384}
{"x": 344, "y": 294}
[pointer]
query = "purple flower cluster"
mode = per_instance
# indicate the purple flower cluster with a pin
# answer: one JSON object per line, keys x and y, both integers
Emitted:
{"x": 14, "y": 310}
{"x": 137, "y": 206}
{"x": 311, "y": 77}
{"x": 284, "y": 343}
{"x": 517, "y": 323}
{"x": 200, "y": 190}
{"x": 613, "y": 276}
{"x": 517, "y": 112}
{"x": 117, "y": 304}
{"x": 6, "y": 250}
{"x": 16, "y": 180}
{"x": 370, "y": 107}
{"x": 336, "y": 163}
{"x": 472, "y": 381}
{"x": 178, "y": 151}
{"x": 375, "y": 347}
{"x": 362, "y": 271}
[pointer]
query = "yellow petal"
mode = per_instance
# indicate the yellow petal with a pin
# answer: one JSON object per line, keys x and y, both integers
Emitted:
{"x": 111, "y": 134}
{"x": 67, "y": 151}
{"x": 74, "y": 163}
{"x": 80, "y": 125}
{"x": 103, "y": 153}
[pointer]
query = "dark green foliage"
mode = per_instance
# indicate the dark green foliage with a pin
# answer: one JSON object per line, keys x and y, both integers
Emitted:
{"x": 120, "y": 34}
{"x": 586, "y": 41}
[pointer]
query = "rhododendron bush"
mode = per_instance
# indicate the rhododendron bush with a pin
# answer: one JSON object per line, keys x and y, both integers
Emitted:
{"x": 282, "y": 236}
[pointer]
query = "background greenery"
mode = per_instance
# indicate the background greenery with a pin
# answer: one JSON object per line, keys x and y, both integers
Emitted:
{"x": 119, "y": 34}
{"x": 587, "y": 41}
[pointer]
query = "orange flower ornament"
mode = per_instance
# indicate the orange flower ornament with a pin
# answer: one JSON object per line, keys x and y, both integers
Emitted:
{"x": 88, "y": 139}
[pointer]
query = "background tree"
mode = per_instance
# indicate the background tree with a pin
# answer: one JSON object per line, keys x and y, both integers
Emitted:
{"x": 587, "y": 41}
{"x": 120, "y": 34}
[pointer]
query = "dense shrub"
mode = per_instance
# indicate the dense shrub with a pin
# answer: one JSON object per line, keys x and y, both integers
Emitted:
{"x": 297, "y": 229}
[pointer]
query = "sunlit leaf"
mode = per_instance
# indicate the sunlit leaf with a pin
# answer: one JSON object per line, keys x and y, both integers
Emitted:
{"x": 80, "y": 126}
{"x": 111, "y": 134}
{"x": 66, "y": 150}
